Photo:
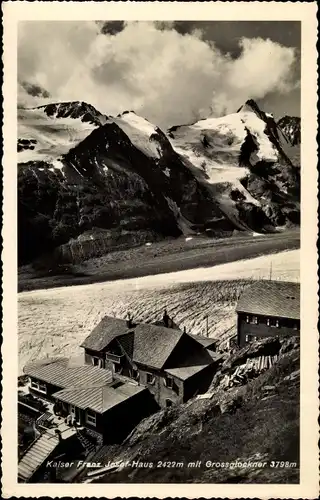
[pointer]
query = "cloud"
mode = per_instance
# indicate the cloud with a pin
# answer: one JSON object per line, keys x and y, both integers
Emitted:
{"x": 35, "y": 90}
{"x": 111, "y": 27}
{"x": 167, "y": 77}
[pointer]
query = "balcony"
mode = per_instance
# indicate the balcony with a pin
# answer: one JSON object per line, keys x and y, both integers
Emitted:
{"x": 115, "y": 358}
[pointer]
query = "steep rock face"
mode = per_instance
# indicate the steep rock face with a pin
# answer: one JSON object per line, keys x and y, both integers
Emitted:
{"x": 80, "y": 170}
{"x": 291, "y": 128}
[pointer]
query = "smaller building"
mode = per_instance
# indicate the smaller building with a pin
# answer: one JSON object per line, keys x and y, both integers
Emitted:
{"x": 268, "y": 309}
{"x": 89, "y": 397}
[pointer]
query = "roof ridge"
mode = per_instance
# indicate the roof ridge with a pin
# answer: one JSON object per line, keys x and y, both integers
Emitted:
{"x": 86, "y": 387}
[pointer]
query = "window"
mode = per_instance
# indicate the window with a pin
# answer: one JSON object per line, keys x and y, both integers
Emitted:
{"x": 250, "y": 338}
{"x": 117, "y": 368}
{"x": 295, "y": 326}
{"x": 253, "y": 320}
{"x": 95, "y": 361}
{"x": 135, "y": 374}
{"x": 169, "y": 403}
{"x": 91, "y": 417}
{"x": 150, "y": 378}
{"x": 273, "y": 322}
{"x": 169, "y": 382}
{"x": 39, "y": 386}
{"x": 42, "y": 388}
{"x": 75, "y": 414}
{"x": 116, "y": 358}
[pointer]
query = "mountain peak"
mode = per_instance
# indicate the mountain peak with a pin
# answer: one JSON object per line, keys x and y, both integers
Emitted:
{"x": 250, "y": 105}
{"x": 73, "y": 109}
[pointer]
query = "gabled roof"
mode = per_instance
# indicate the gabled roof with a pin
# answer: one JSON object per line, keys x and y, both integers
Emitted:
{"x": 98, "y": 399}
{"x": 185, "y": 372}
{"x": 205, "y": 341}
{"x": 172, "y": 324}
{"x": 154, "y": 344}
{"x": 62, "y": 372}
{"x": 84, "y": 386}
{"x": 107, "y": 330}
{"x": 271, "y": 298}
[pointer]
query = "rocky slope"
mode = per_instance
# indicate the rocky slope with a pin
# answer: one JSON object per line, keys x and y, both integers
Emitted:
{"x": 251, "y": 414}
{"x": 291, "y": 128}
{"x": 90, "y": 182}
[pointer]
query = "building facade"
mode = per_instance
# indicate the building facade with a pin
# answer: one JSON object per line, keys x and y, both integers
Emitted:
{"x": 268, "y": 309}
{"x": 173, "y": 365}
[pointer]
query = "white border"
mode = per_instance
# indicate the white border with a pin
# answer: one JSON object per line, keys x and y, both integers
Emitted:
{"x": 304, "y": 12}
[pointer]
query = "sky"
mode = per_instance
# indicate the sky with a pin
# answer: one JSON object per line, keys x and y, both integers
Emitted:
{"x": 170, "y": 72}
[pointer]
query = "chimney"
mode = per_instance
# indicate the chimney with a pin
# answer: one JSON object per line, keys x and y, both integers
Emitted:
{"x": 129, "y": 320}
{"x": 58, "y": 433}
{"x": 184, "y": 330}
{"x": 166, "y": 318}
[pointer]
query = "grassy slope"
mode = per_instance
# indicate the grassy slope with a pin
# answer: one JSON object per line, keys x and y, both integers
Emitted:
{"x": 259, "y": 429}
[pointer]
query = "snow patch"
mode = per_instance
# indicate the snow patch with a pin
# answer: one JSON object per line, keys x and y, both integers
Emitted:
{"x": 54, "y": 136}
{"x": 139, "y": 131}
{"x": 213, "y": 145}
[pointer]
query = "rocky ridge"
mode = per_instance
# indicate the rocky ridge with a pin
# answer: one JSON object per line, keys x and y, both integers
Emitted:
{"x": 121, "y": 180}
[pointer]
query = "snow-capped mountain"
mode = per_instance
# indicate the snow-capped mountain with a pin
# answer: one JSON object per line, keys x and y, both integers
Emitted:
{"x": 291, "y": 128}
{"x": 81, "y": 171}
{"x": 47, "y": 132}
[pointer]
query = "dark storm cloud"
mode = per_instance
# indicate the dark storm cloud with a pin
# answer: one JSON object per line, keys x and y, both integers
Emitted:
{"x": 111, "y": 27}
{"x": 226, "y": 34}
{"x": 35, "y": 90}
